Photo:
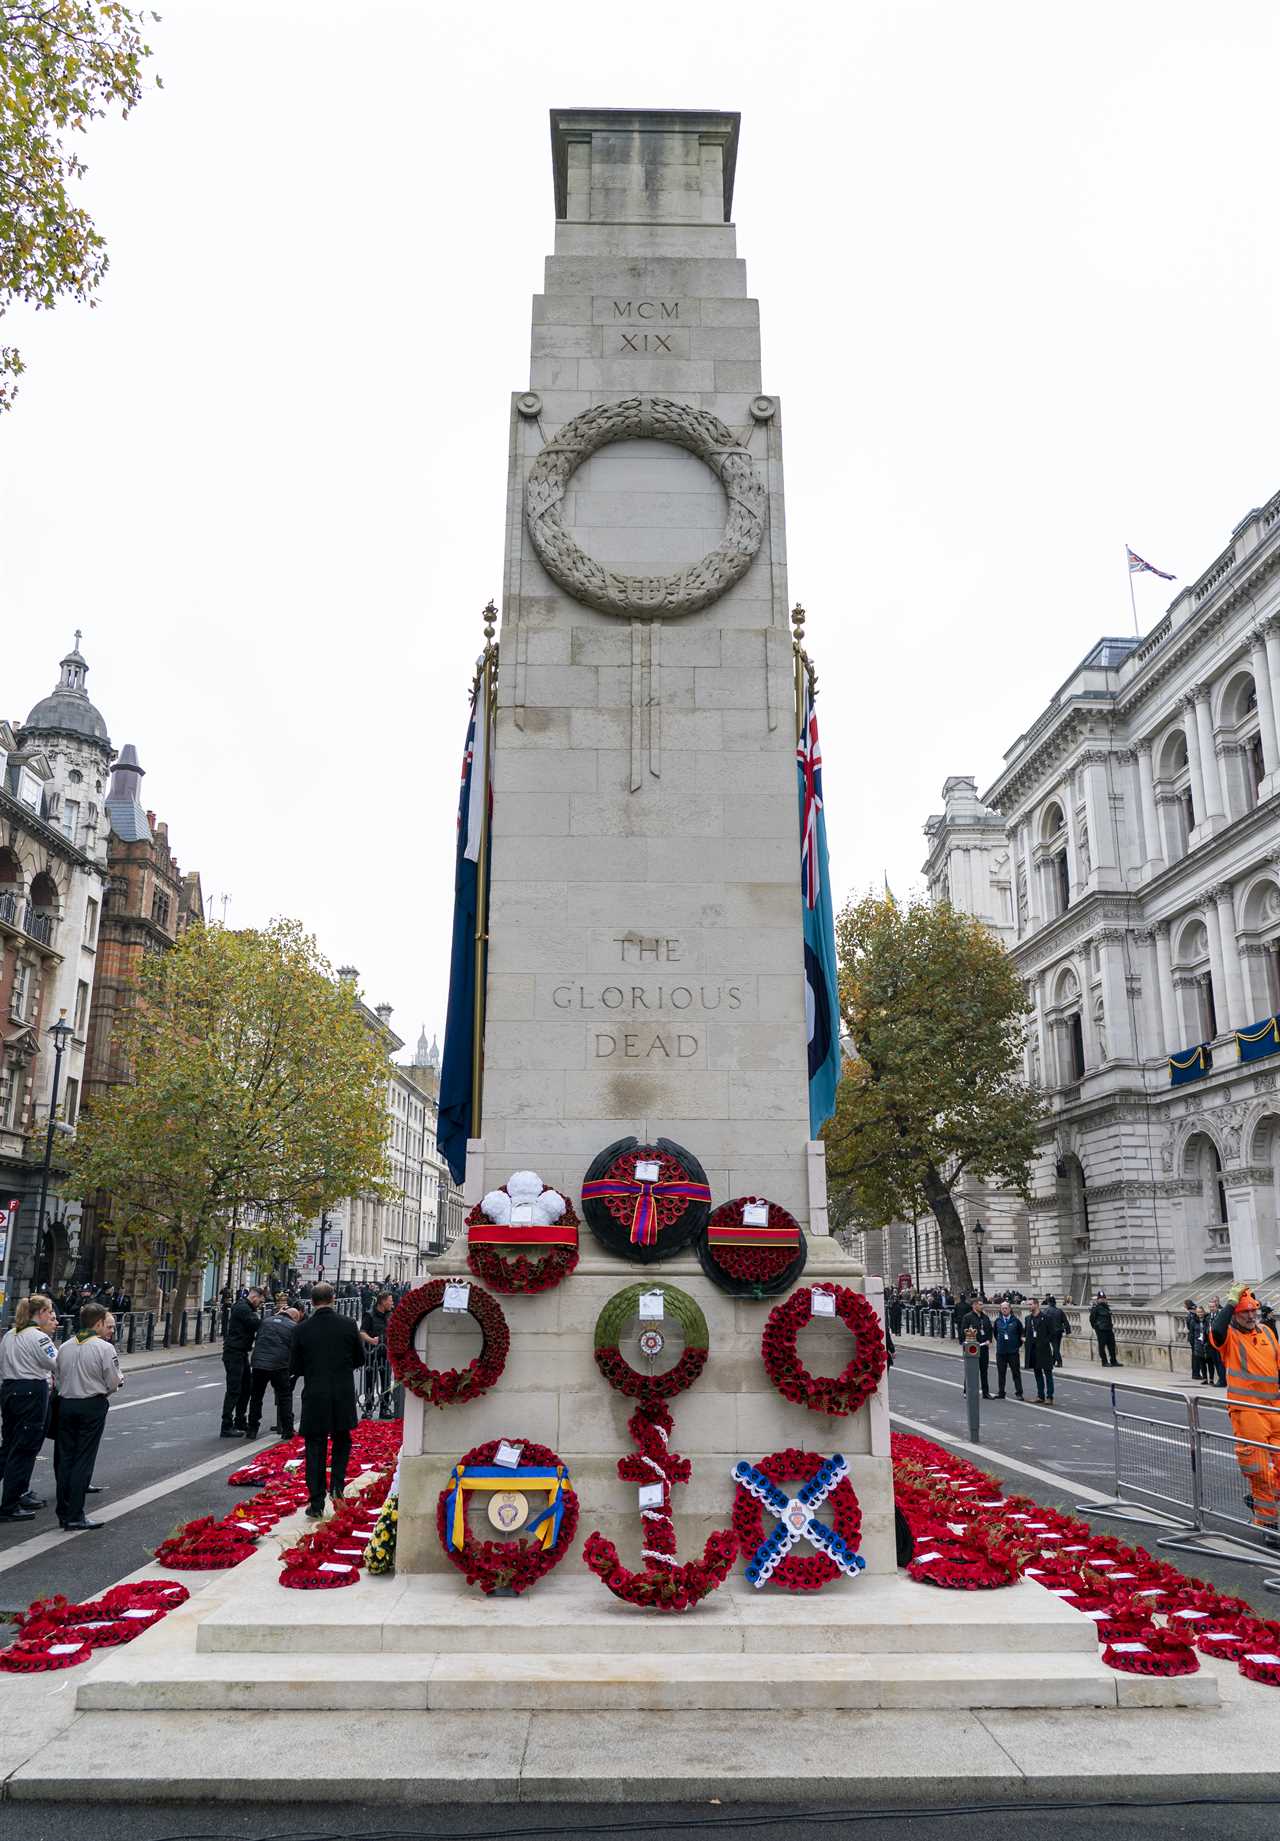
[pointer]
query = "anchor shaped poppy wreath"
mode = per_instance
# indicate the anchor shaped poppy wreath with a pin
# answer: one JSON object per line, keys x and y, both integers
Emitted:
{"x": 642, "y": 1201}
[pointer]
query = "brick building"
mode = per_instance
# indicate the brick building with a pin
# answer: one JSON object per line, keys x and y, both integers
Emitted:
{"x": 149, "y": 902}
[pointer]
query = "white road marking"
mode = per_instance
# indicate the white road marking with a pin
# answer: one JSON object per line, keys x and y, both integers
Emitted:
{"x": 45, "y": 1543}
{"x": 1059, "y": 1412}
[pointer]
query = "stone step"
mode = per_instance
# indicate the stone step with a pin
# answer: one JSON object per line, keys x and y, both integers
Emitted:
{"x": 583, "y": 1683}
{"x": 414, "y": 1614}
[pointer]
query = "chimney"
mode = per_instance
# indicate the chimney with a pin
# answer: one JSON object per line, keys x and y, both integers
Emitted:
{"x": 383, "y": 1013}
{"x": 348, "y": 974}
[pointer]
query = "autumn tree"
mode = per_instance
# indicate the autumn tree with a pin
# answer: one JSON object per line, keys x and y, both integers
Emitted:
{"x": 63, "y": 64}
{"x": 934, "y": 1091}
{"x": 259, "y": 1095}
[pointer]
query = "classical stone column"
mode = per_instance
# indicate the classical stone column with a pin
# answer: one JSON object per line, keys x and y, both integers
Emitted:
{"x": 1097, "y": 804}
{"x": 1214, "y": 805}
{"x": 1153, "y": 843}
{"x": 1270, "y": 630}
{"x": 1224, "y": 907}
{"x": 1092, "y": 1057}
{"x": 1259, "y": 658}
{"x": 1164, "y": 989}
{"x": 1217, "y": 962}
{"x": 1192, "y": 733}
{"x": 1067, "y": 793}
{"x": 1150, "y": 1029}
{"x": 1115, "y": 995}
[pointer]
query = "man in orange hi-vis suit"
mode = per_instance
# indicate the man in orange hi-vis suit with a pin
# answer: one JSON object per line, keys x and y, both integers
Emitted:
{"x": 1252, "y": 1359}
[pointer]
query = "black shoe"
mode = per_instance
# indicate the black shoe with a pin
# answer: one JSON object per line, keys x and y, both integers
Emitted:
{"x": 998, "y": 1396}
{"x": 18, "y": 1514}
{"x": 1022, "y": 1396}
{"x": 230, "y": 1431}
{"x": 30, "y": 1501}
{"x": 94, "y": 1489}
{"x": 251, "y": 1432}
{"x": 288, "y": 1434}
{"x": 78, "y": 1527}
{"x": 314, "y": 1513}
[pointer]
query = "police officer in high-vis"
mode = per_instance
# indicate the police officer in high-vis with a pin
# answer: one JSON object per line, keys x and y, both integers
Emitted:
{"x": 1252, "y": 1359}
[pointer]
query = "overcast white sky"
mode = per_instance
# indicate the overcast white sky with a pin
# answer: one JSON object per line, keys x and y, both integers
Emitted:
{"x": 1019, "y": 285}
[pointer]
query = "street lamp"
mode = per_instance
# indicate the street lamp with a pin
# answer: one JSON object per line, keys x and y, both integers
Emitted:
{"x": 978, "y": 1231}
{"x": 61, "y": 1033}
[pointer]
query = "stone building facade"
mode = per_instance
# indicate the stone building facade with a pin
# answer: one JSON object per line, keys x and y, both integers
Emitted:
{"x": 54, "y": 770}
{"x": 148, "y": 904}
{"x": 396, "y": 1235}
{"x": 1128, "y": 854}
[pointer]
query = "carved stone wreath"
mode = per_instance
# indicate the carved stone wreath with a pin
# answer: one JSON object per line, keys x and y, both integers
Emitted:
{"x": 649, "y": 418}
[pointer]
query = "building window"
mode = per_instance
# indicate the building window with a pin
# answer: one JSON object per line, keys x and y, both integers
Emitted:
{"x": 160, "y": 909}
{"x": 12, "y": 1099}
{"x": 71, "y": 818}
{"x": 1257, "y": 764}
{"x": 20, "y": 995}
{"x": 1075, "y": 1045}
{"x": 71, "y": 1101}
{"x": 82, "y": 1007}
{"x": 1062, "y": 881}
{"x": 1188, "y": 816}
{"x": 90, "y": 922}
{"x": 1207, "y": 1007}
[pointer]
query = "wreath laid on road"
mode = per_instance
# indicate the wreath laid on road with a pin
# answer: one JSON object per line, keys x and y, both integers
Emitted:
{"x": 796, "y": 1572}
{"x": 448, "y": 1386}
{"x": 522, "y": 1237}
{"x": 752, "y": 1259}
{"x": 842, "y": 1393}
{"x": 621, "y": 1310}
{"x": 508, "y": 1567}
{"x": 644, "y": 1202}
{"x": 1156, "y": 1652}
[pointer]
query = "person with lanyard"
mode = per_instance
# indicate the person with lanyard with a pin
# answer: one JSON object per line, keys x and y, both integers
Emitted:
{"x": 976, "y": 1320}
{"x": 28, "y": 1357}
{"x": 88, "y": 1375}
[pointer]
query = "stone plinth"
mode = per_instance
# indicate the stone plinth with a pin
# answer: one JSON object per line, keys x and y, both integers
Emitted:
{"x": 553, "y": 1393}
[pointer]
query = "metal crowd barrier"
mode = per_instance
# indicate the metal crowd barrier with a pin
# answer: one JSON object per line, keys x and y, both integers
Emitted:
{"x": 379, "y": 1395}
{"x": 1186, "y": 1472}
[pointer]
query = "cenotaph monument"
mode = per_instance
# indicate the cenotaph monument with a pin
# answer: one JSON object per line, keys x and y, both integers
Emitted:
{"x": 645, "y": 972}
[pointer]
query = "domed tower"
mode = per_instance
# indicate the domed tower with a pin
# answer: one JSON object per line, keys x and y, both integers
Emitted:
{"x": 72, "y": 734}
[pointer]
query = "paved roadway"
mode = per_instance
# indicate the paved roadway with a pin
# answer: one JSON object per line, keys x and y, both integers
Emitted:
{"x": 1074, "y": 1440}
{"x": 162, "y": 1427}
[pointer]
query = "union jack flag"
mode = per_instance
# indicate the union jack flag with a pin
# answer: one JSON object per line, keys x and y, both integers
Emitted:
{"x": 809, "y": 762}
{"x": 1137, "y": 566}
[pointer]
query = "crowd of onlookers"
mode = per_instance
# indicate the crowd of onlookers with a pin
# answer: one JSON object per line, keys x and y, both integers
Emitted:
{"x": 1207, "y": 1365}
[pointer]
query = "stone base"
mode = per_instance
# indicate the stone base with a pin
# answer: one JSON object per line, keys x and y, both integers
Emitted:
{"x": 395, "y": 1645}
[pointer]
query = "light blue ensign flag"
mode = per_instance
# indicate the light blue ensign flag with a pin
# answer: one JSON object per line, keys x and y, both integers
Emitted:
{"x": 822, "y": 1012}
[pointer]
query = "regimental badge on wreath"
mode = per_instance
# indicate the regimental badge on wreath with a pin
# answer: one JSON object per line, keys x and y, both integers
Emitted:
{"x": 644, "y": 1202}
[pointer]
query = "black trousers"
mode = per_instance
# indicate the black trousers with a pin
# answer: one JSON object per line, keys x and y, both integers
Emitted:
{"x": 1057, "y": 1348}
{"x": 80, "y": 1424}
{"x": 1009, "y": 1364}
{"x": 316, "y": 1450}
{"x": 984, "y": 1369}
{"x": 24, "y": 1414}
{"x": 239, "y": 1385}
{"x": 1106, "y": 1340}
{"x": 281, "y": 1383}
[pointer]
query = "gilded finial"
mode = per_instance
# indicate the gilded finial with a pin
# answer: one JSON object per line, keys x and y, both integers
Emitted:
{"x": 797, "y": 622}
{"x": 490, "y": 622}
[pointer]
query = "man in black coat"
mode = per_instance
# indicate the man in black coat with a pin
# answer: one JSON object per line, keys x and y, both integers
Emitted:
{"x": 1104, "y": 1331}
{"x": 327, "y": 1351}
{"x": 237, "y": 1347}
{"x": 1037, "y": 1331}
{"x": 977, "y": 1320}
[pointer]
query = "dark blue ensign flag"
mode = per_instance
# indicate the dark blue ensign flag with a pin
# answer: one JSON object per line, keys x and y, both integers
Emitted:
{"x": 457, "y": 1062}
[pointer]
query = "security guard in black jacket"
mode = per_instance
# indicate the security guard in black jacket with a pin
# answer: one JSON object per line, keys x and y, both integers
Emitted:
{"x": 977, "y": 1320}
{"x": 327, "y": 1350}
{"x": 237, "y": 1346}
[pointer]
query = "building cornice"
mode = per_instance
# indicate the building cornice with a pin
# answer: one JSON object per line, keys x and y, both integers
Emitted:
{"x": 19, "y": 817}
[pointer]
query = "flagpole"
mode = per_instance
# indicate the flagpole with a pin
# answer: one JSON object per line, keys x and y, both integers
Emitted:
{"x": 1132, "y": 598}
{"x": 801, "y": 664}
{"x": 484, "y": 716}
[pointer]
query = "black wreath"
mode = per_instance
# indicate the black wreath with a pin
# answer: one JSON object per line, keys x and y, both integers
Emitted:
{"x": 750, "y": 1282}
{"x": 679, "y": 1220}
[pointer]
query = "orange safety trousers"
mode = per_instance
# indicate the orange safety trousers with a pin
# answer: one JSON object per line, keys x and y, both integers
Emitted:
{"x": 1259, "y": 1467}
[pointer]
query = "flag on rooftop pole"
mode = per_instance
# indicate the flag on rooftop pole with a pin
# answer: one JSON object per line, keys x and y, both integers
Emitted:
{"x": 465, "y": 1016}
{"x": 1137, "y": 566}
{"x": 821, "y": 1008}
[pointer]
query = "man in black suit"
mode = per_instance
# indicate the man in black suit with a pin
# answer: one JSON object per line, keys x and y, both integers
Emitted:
{"x": 327, "y": 1350}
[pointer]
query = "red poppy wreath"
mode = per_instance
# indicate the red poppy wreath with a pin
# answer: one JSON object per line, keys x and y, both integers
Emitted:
{"x": 449, "y": 1386}
{"x": 752, "y": 1248}
{"x": 522, "y": 1237}
{"x": 512, "y": 1566}
{"x": 842, "y": 1393}
{"x": 796, "y": 1572}
{"x": 645, "y": 1201}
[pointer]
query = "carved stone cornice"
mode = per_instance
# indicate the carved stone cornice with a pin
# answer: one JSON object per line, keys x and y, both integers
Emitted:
{"x": 1144, "y": 935}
